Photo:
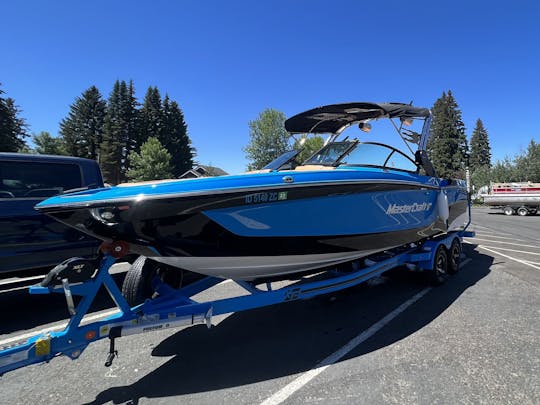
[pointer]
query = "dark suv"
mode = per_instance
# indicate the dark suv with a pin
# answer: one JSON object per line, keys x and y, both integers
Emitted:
{"x": 29, "y": 239}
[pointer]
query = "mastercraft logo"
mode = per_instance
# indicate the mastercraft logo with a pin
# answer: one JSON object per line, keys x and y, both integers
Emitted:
{"x": 407, "y": 209}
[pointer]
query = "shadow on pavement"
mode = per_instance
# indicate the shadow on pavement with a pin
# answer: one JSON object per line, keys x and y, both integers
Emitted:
{"x": 272, "y": 342}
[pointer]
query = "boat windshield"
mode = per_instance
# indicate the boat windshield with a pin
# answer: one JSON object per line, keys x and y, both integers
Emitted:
{"x": 283, "y": 161}
{"x": 362, "y": 154}
{"x": 330, "y": 154}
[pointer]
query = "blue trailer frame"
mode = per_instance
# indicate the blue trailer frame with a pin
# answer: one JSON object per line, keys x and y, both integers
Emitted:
{"x": 175, "y": 307}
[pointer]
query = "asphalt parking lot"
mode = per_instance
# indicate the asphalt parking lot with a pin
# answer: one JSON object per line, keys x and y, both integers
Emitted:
{"x": 473, "y": 340}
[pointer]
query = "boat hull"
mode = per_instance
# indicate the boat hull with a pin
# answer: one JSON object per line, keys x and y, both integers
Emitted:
{"x": 250, "y": 232}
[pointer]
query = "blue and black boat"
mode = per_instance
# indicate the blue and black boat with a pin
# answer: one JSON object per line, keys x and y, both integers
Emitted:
{"x": 349, "y": 200}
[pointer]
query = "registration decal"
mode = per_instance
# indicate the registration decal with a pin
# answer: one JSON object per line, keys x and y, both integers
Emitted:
{"x": 266, "y": 197}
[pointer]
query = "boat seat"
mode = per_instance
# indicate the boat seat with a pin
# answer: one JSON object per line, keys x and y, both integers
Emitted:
{"x": 307, "y": 168}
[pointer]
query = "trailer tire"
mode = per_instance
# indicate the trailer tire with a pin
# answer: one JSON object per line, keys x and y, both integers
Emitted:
{"x": 508, "y": 211}
{"x": 454, "y": 256}
{"x": 439, "y": 273}
{"x": 137, "y": 286}
{"x": 522, "y": 211}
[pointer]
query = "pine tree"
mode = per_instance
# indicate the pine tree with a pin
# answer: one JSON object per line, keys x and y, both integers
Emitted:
{"x": 48, "y": 145}
{"x": 12, "y": 126}
{"x": 268, "y": 138}
{"x": 447, "y": 147}
{"x": 113, "y": 142}
{"x": 150, "y": 122}
{"x": 528, "y": 163}
{"x": 504, "y": 171}
{"x": 118, "y": 132}
{"x": 152, "y": 163}
{"x": 174, "y": 137}
{"x": 131, "y": 117}
{"x": 82, "y": 129}
{"x": 480, "y": 149}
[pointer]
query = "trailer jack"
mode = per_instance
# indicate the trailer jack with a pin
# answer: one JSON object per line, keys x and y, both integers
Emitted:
{"x": 112, "y": 351}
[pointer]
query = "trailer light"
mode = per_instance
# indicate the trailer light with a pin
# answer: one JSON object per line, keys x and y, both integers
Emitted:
{"x": 116, "y": 249}
{"x": 91, "y": 334}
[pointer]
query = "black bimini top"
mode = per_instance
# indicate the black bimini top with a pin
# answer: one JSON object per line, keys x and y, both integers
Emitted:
{"x": 329, "y": 119}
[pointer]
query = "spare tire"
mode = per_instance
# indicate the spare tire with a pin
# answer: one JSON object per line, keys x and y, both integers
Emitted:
{"x": 137, "y": 286}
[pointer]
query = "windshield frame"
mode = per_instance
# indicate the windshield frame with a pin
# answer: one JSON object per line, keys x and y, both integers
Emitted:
{"x": 353, "y": 145}
{"x": 393, "y": 150}
{"x": 279, "y": 162}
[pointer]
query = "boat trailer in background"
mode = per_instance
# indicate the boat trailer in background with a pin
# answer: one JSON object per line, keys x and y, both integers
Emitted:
{"x": 175, "y": 307}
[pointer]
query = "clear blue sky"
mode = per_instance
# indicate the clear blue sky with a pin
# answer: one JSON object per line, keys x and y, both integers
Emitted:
{"x": 226, "y": 61}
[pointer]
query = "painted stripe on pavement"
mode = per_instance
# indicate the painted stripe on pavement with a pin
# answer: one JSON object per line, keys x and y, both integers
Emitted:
{"x": 506, "y": 243}
{"x": 56, "y": 327}
{"x": 508, "y": 257}
{"x": 306, "y": 377}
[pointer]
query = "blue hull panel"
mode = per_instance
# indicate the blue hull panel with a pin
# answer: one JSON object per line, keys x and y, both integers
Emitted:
{"x": 350, "y": 214}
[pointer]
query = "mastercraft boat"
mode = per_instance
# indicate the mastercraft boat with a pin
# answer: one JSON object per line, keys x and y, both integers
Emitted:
{"x": 349, "y": 200}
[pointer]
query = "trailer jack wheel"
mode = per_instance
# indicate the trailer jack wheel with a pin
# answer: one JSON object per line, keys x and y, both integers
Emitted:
{"x": 138, "y": 284}
{"x": 439, "y": 274}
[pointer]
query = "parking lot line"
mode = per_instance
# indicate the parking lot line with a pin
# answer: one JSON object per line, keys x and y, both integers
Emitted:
{"x": 502, "y": 254}
{"x": 56, "y": 327}
{"x": 506, "y": 243}
{"x": 306, "y": 377}
{"x": 491, "y": 235}
{"x": 511, "y": 250}
{"x": 20, "y": 280}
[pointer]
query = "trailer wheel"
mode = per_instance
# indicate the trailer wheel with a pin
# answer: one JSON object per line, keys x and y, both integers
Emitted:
{"x": 439, "y": 274}
{"x": 508, "y": 211}
{"x": 455, "y": 256}
{"x": 137, "y": 286}
{"x": 522, "y": 211}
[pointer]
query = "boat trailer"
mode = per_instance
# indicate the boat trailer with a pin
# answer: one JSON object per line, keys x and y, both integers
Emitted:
{"x": 175, "y": 307}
